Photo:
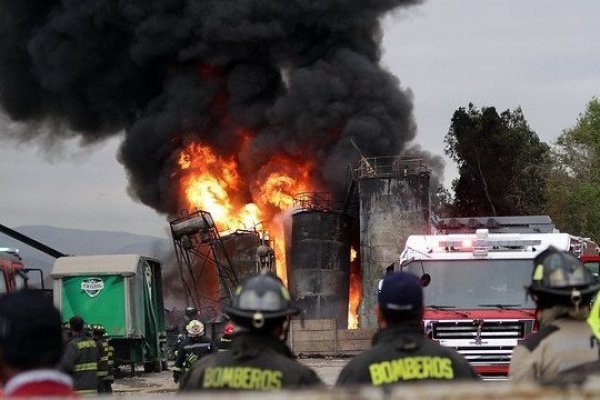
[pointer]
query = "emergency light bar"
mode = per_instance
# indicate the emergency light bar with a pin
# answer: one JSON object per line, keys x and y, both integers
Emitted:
{"x": 490, "y": 244}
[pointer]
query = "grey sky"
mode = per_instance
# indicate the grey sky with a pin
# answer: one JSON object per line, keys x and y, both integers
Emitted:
{"x": 541, "y": 55}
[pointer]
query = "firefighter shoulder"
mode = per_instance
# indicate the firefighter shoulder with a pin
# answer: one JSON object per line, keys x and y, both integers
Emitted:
{"x": 562, "y": 289}
{"x": 258, "y": 359}
{"x": 80, "y": 359}
{"x": 195, "y": 346}
{"x": 400, "y": 350}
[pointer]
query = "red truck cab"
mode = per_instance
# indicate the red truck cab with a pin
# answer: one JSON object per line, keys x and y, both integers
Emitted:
{"x": 12, "y": 272}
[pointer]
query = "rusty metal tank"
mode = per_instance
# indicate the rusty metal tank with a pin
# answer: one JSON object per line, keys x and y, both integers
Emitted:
{"x": 320, "y": 264}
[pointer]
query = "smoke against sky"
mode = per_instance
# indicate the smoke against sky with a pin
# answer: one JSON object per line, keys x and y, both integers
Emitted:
{"x": 298, "y": 77}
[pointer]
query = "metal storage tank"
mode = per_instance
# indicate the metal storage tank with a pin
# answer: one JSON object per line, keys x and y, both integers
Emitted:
{"x": 320, "y": 264}
{"x": 241, "y": 247}
{"x": 394, "y": 203}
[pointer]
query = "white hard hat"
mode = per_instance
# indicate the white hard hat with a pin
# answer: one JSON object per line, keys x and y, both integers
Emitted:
{"x": 195, "y": 328}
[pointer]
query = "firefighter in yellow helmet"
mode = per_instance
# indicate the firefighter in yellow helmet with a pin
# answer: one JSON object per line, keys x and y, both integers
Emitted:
{"x": 259, "y": 358}
{"x": 193, "y": 348}
{"x": 562, "y": 289}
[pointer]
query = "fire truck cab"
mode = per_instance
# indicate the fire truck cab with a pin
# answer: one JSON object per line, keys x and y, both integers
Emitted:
{"x": 474, "y": 288}
{"x": 12, "y": 272}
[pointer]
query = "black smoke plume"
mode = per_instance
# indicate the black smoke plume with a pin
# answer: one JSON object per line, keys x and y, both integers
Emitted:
{"x": 302, "y": 75}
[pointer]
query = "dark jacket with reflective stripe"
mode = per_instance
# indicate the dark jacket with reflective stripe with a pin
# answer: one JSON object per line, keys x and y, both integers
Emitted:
{"x": 254, "y": 362}
{"x": 191, "y": 350}
{"x": 80, "y": 360}
{"x": 402, "y": 354}
{"x": 106, "y": 360}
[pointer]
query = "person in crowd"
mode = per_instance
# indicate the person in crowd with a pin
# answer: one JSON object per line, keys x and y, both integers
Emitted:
{"x": 562, "y": 289}
{"x": 80, "y": 359}
{"x": 195, "y": 346}
{"x": 401, "y": 352}
{"x": 259, "y": 358}
{"x": 106, "y": 361}
{"x": 31, "y": 344}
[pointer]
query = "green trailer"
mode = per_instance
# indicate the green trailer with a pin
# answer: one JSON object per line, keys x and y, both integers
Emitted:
{"x": 121, "y": 292}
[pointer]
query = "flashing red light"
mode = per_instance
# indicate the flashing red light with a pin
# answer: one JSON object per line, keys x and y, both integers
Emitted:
{"x": 467, "y": 243}
{"x": 228, "y": 330}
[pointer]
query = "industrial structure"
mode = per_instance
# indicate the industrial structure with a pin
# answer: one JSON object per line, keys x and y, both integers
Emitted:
{"x": 320, "y": 268}
{"x": 212, "y": 264}
{"x": 394, "y": 203}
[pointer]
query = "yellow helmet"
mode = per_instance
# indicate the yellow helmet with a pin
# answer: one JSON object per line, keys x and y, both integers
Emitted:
{"x": 195, "y": 328}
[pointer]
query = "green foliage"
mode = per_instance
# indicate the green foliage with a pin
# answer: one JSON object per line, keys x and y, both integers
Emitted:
{"x": 501, "y": 163}
{"x": 574, "y": 183}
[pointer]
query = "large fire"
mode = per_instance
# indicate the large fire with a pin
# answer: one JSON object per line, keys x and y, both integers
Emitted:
{"x": 213, "y": 183}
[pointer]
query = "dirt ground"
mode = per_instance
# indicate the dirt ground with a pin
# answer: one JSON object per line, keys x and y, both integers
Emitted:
{"x": 162, "y": 382}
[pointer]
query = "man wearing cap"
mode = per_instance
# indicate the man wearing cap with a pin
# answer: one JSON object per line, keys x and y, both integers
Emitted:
{"x": 400, "y": 350}
{"x": 31, "y": 344}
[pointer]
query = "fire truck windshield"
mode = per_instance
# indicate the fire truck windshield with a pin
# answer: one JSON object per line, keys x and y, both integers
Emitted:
{"x": 475, "y": 283}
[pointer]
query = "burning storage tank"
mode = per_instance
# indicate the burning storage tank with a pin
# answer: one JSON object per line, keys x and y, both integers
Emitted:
{"x": 242, "y": 247}
{"x": 320, "y": 267}
{"x": 394, "y": 203}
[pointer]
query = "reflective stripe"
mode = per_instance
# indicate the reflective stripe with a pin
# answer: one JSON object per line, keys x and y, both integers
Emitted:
{"x": 86, "y": 367}
{"x": 88, "y": 392}
{"x": 102, "y": 374}
{"x": 85, "y": 344}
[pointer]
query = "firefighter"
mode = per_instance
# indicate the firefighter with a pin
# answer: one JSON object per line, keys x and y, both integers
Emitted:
{"x": 400, "y": 351}
{"x": 106, "y": 361}
{"x": 562, "y": 289}
{"x": 258, "y": 359}
{"x": 193, "y": 348}
{"x": 80, "y": 359}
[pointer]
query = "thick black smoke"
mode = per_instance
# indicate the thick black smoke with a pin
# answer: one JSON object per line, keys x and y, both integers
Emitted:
{"x": 302, "y": 75}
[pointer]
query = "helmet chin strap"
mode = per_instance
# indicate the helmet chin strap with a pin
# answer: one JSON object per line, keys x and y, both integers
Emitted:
{"x": 576, "y": 299}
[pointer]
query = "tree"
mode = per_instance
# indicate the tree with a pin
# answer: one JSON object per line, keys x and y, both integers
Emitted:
{"x": 501, "y": 163}
{"x": 574, "y": 181}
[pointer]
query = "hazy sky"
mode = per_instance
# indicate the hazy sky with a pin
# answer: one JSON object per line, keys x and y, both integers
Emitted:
{"x": 541, "y": 55}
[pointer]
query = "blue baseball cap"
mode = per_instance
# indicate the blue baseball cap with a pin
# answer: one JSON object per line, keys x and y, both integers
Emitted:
{"x": 400, "y": 291}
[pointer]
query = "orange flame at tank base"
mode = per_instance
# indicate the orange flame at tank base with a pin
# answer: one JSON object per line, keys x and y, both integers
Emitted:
{"x": 355, "y": 290}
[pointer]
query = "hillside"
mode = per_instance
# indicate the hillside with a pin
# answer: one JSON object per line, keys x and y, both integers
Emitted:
{"x": 82, "y": 242}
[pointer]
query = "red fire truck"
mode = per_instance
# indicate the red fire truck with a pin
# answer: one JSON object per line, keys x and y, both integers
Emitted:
{"x": 12, "y": 273}
{"x": 474, "y": 272}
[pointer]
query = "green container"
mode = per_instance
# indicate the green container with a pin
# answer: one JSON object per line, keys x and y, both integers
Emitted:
{"x": 121, "y": 292}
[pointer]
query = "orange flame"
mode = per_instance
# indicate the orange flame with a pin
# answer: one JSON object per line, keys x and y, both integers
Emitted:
{"x": 213, "y": 183}
{"x": 355, "y": 291}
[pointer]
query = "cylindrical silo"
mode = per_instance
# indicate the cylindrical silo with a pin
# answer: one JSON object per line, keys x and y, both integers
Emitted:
{"x": 394, "y": 203}
{"x": 241, "y": 247}
{"x": 320, "y": 264}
